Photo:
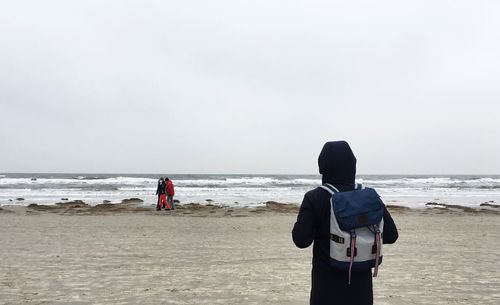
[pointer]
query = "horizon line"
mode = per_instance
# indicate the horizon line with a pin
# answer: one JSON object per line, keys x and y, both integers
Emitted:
{"x": 252, "y": 174}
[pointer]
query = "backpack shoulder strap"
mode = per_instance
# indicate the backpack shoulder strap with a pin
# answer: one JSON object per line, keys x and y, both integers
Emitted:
{"x": 329, "y": 188}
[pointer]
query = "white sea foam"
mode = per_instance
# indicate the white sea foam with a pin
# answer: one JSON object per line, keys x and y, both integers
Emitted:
{"x": 113, "y": 180}
{"x": 450, "y": 182}
{"x": 243, "y": 190}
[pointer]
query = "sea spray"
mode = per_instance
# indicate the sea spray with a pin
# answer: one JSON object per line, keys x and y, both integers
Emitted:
{"x": 240, "y": 190}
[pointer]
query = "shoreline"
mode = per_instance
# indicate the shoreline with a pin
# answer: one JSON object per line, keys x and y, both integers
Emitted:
{"x": 242, "y": 190}
{"x": 211, "y": 209}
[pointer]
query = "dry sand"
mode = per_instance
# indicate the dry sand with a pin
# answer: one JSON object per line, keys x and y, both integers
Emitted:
{"x": 196, "y": 255}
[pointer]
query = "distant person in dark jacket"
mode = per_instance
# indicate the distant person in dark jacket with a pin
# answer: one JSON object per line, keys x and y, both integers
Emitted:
{"x": 329, "y": 286}
{"x": 162, "y": 194}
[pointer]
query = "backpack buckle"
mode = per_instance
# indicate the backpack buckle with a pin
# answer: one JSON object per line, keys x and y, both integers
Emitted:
{"x": 349, "y": 252}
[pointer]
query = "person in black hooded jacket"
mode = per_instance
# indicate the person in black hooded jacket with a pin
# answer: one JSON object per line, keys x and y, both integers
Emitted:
{"x": 329, "y": 286}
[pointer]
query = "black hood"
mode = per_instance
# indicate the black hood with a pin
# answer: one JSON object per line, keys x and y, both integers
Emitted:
{"x": 337, "y": 164}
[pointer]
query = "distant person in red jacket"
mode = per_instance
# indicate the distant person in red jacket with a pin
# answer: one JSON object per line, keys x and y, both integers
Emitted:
{"x": 170, "y": 193}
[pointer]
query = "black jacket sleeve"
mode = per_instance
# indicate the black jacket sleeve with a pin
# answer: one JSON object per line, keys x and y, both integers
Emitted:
{"x": 390, "y": 230}
{"x": 304, "y": 228}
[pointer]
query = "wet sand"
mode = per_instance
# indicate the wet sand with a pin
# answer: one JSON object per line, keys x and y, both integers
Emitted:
{"x": 130, "y": 254}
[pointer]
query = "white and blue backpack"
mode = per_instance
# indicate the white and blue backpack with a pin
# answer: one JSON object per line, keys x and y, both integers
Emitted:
{"x": 356, "y": 222}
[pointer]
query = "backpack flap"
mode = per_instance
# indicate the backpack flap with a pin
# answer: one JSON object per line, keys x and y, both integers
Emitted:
{"x": 357, "y": 208}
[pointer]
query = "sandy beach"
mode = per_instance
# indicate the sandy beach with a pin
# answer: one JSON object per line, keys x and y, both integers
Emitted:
{"x": 126, "y": 254}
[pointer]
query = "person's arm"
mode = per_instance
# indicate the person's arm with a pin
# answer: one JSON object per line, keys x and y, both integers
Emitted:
{"x": 303, "y": 230}
{"x": 390, "y": 230}
{"x": 158, "y": 188}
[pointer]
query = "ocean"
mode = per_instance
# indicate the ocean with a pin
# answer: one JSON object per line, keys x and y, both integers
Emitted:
{"x": 241, "y": 190}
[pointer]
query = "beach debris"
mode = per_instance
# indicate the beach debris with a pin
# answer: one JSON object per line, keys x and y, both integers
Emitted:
{"x": 273, "y": 206}
{"x": 398, "y": 208}
{"x": 282, "y": 207}
{"x": 2, "y": 210}
{"x": 129, "y": 200}
{"x": 41, "y": 207}
{"x": 103, "y": 206}
{"x": 444, "y": 205}
{"x": 487, "y": 204}
{"x": 72, "y": 204}
{"x": 197, "y": 206}
{"x": 123, "y": 207}
{"x": 461, "y": 208}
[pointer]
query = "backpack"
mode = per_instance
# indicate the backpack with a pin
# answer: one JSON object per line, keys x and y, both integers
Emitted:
{"x": 356, "y": 222}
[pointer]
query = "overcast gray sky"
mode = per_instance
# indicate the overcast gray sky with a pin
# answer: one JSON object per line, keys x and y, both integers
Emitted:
{"x": 249, "y": 86}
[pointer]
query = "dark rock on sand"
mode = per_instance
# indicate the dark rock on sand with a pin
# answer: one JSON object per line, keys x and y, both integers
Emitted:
{"x": 273, "y": 206}
{"x": 197, "y": 206}
{"x": 451, "y": 206}
{"x": 461, "y": 208}
{"x": 41, "y": 207}
{"x": 60, "y": 207}
{"x": 130, "y": 200}
{"x": 486, "y": 204}
{"x": 213, "y": 206}
{"x": 397, "y": 208}
{"x": 72, "y": 204}
{"x": 282, "y": 207}
{"x": 105, "y": 206}
{"x": 118, "y": 207}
